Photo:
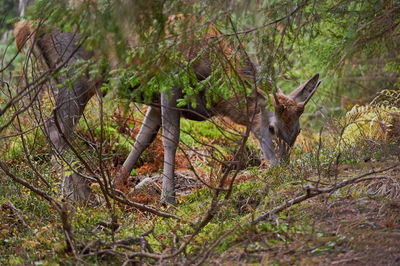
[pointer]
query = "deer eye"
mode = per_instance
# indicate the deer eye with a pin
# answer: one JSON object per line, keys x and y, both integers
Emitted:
{"x": 271, "y": 129}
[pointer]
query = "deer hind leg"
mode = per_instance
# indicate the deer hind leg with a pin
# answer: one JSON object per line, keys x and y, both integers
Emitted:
{"x": 171, "y": 128}
{"x": 58, "y": 49}
{"x": 70, "y": 105}
{"x": 147, "y": 134}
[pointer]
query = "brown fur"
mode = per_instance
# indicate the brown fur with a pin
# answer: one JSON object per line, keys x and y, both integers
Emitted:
{"x": 22, "y": 33}
{"x": 288, "y": 110}
{"x": 231, "y": 108}
{"x": 213, "y": 43}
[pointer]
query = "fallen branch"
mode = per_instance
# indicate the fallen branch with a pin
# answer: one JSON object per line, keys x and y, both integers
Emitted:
{"x": 206, "y": 253}
{"x": 16, "y": 212}
{"x": 311, "y": 191}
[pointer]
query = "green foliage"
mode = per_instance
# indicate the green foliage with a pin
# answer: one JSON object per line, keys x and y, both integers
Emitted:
{"x": 32, "y": 141}
{"x": 118, "y": 140}
{"x": 9, "y": 11}
{"x": 206, "y": 129}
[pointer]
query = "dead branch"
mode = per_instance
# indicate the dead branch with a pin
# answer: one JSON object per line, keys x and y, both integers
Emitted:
{"x": 16, "y": 212}
{"x": 61, "y": 209}
{"x": 207, "y": 252}
{"x": 31, "y": 187}
{"x": 312, "y": 191}
{"x": 122, "y": 199}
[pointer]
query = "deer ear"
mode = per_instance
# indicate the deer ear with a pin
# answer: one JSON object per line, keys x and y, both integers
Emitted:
{"x": 303, "y": 94}
{"x": 279, "y": 107}
{"x": 261, "y": 99}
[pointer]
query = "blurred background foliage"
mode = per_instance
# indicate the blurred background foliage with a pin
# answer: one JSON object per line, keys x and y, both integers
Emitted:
{"x": 9, "y": 11}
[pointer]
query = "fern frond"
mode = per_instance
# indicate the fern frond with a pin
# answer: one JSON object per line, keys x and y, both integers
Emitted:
{"x": 388, "y": 98}
{"x": 371, "y": 122}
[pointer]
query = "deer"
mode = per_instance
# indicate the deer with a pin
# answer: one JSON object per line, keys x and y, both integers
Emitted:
{"x": 276, "y": 130}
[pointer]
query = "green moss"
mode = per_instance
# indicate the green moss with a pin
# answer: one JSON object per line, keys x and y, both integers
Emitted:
{"x": 32, "y": 139}
{"x": 119, "y": 143}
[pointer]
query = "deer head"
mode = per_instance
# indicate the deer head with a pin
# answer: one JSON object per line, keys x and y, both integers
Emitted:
{"x": 277, "y": 131}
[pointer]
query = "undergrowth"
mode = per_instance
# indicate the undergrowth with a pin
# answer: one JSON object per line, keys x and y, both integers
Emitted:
{"x": 32, "y": 232}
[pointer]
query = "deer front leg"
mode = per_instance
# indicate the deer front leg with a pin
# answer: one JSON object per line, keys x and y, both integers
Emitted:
{"x": 170, "y": 122}
{"x": 147, "y": 134}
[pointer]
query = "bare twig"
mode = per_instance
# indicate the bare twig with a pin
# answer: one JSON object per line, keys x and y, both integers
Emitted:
{"x": 16, "y": 212}
{"x": 311, "y": 191}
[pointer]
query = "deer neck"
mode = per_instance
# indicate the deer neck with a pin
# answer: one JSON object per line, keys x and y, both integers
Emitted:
{"x": 242, "y": 114}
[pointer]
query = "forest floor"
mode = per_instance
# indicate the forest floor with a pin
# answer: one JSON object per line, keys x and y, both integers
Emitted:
{"x": 347, "y": 227}
{"x": 350, "y": 229}
{"x": 358, "y": 224}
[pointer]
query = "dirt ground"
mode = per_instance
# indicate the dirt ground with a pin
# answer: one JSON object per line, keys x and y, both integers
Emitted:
{"x": 350, "y": 229}
{"x": 358, "y": 226}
